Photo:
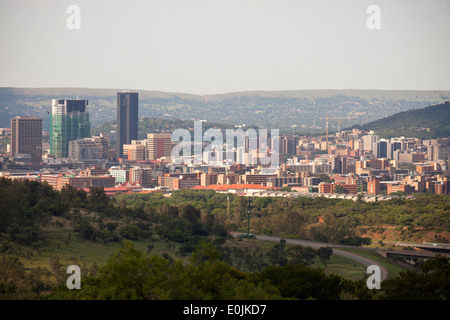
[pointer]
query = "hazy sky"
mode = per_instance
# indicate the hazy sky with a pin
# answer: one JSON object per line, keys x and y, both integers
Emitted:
{"x": 218, "y": 46}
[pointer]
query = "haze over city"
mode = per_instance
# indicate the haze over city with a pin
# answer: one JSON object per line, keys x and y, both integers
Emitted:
{"x": 218, "y": 46}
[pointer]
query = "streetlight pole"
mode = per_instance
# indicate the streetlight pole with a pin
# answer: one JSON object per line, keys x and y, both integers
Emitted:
{"x": 248, "y": 215}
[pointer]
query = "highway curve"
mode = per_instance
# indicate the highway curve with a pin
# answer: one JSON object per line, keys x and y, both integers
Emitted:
{"x": 316, "y": 245}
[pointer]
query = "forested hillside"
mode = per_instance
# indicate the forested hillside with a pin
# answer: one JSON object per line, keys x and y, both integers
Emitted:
{"x": 428, "y": 123}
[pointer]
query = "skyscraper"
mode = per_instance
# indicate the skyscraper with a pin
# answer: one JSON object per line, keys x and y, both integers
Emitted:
{"x": 69, "y": 121}
{"x": 127, "y": 119}
{"x": 26, "y": 137}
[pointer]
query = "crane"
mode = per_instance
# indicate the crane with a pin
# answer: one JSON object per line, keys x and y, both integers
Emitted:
{"x": 334, "y": 118}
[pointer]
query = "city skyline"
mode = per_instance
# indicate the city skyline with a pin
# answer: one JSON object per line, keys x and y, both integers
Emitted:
{"x": 225, "y": 150}
{"x": 209, "y": 47}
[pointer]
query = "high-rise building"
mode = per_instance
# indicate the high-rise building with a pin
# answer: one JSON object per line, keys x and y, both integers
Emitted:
{"x": 158, "y": 145}
{"x": 26, "y": 137}
{"x": 69, "y": 121}
{"x": 103, "y": 145}
{"x": 369, "y": 141}
{"x": 127, "y": 119}
{"x": 86, "y": 150}
{"x": 288, "y": 144}
{"x": 382, "y": 149}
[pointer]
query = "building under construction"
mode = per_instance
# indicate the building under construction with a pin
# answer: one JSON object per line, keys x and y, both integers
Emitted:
{"x": 69, "y": 121}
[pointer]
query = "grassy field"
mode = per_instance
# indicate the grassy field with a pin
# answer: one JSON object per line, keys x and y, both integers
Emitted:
{"x": 85, "y": 253}
{"x": 338, "y": 265}
{"x": 70, "y": 249}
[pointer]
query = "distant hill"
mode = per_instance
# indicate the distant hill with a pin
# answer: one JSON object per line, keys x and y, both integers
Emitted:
{"x": 289, "y": 111}
{"x": 427, "y": 123}
{"x": 156, "y": 125}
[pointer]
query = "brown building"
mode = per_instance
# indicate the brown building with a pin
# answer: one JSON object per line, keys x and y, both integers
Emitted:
{"x": 378, "y": 164}
{"x": 373, "y": 187}
{"x": 422, "y": 168}
{"x": 51, "y": 179}
{"x": 94, "y": 171}
{"x": 442, "y": 187}
{"x": 79, "y": 182}
{"x": 228, "y": 178}
{"x": 185, "y": 182}
{"x": 399, "y": 187}
{"x": 158, "y": 145}
{"x": 26, "y": 137}
{"x": 349, "y": 188}
{"x": 326, "y": 187}
{"x": 208, "y": 178}
{"x": 134, "y": 152}
{"x": 279, "y": 182}
{"x": 169, "y": 180}
{"x": 260, "y": 179}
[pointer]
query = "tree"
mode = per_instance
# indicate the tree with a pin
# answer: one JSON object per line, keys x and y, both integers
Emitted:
{"x": 98, "y": 200}
{"x": 432, "y": 284}
{"x": 130, "y": 232}
{"x": 301, "y": 255}
{"x": 277, "y": 255}
{"x": 131, "y": 275}
{"x": 85, "y": 229}
{"x": 324, "y": 254}
{"x": 171, "y": 211}
{"x": 300, "y": 282}
{"x": 76, "y": 197}
{"x": 325, "y": 178}
{"x": 338, "y": 189}
{"x": 189, "y": 212}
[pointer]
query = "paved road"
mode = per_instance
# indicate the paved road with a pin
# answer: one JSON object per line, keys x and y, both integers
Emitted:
{"x": 316, "y": 245}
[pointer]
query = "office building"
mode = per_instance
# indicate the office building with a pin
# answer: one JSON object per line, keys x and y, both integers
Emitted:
{"x": 104, "y": 144}
{"x": 208, "y": 178}
{"x": 26, "y": 137}
{"x": 133, "y": 152}
{"x": 85, "y": 150}
{"x": 373, "y": 187}
{"x": 159, "y": 145}
{"x": 369, "y": 142}
{"x": 121, "y": 175}
{"x": 69, "y": 121}
{"x": 127, "y": 120}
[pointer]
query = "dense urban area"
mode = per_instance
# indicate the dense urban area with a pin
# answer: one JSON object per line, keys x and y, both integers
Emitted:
{"x": 70, "y": 197}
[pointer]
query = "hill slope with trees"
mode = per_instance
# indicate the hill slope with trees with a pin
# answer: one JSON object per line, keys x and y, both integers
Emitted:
{"x": 289, "y": 111}
{"x": 428, "y": 123}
